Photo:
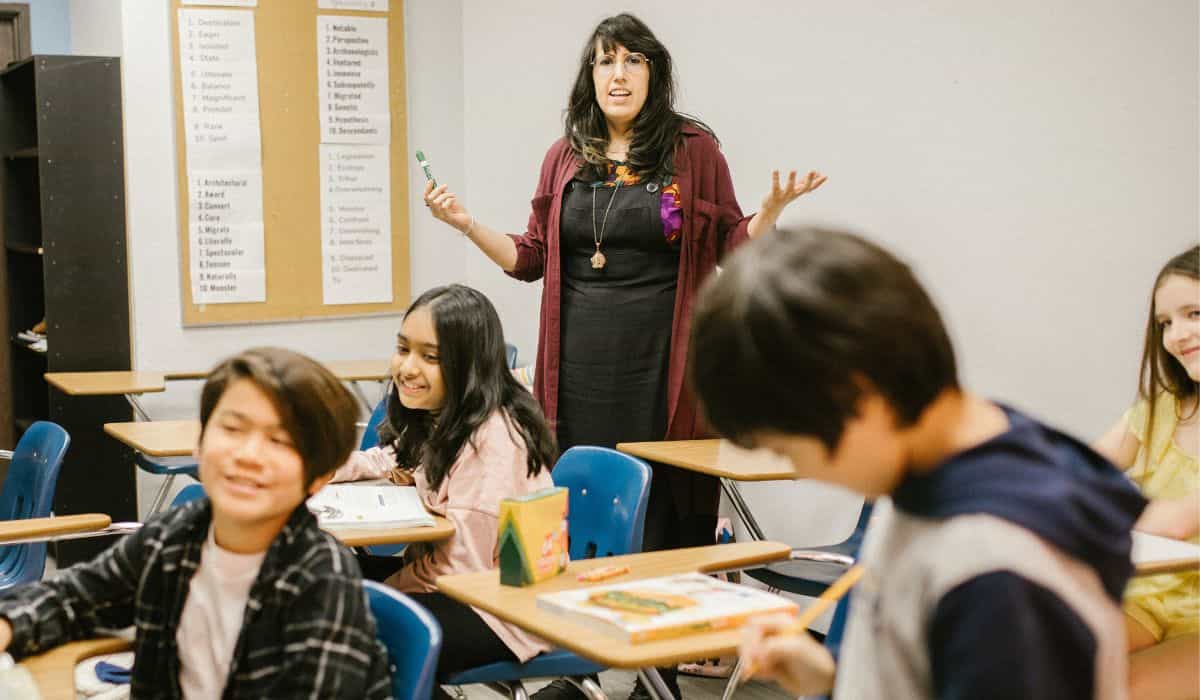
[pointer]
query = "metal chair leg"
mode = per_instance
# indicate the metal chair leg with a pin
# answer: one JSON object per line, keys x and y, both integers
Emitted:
{"x": 515, "y": 690}
{"x": 161, "y": 495}
{"x": 588, "y": 687}
{"x": 733, "y": 681}
{"x": 653, "y": 682}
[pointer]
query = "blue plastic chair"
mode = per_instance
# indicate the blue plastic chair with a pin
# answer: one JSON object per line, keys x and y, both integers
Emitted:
{"x": 370, "y": 439}
{"x": 810, "y": 571}
{"x": 606, "y": 513}
{"x": 191, "y": 492}
{"x": 169, "y": 467}
{"x": 510, "y": 353}
{"x": 413, "y": 639}
{"x": 29, "y": 493}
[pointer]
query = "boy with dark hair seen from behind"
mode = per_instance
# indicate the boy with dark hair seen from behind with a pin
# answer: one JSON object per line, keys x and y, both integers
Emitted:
{"x": 995, "y": 567}
{"x": 237, "y": 595}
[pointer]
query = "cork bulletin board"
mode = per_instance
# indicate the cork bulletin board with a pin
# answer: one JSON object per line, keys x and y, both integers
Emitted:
{"x": 286, "y": 48}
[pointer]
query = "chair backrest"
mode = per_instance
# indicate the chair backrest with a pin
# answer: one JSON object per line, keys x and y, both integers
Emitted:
{"x": 370, "y": 437}
{"x": 413, "y": 639}
{"x": 510, "y": 353}
{"x": 29, "y": 493}
{"x": 606, "y": 506}
{"x": 191, "y": 492}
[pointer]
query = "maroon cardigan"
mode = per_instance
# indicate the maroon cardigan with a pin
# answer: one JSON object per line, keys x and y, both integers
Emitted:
{"x": 712, "y": 226}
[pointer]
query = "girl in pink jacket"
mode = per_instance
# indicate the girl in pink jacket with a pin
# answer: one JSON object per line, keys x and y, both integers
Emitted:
{"x": 467, "y": 434}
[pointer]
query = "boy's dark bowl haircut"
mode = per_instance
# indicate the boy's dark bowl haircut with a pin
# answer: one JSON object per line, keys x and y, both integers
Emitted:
{"x": 783, "y": 338}
{"x": 315, "y": 408}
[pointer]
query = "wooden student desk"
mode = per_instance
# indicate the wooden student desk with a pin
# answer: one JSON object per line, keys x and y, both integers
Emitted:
{"x": 15, "y": 530}
{"x": 519, "y": 605}
{"x": 132, "y": 384}
{"x": 53, "y": 672}
{"x": 160, "y": 438}
{"x": 721, "y": 459}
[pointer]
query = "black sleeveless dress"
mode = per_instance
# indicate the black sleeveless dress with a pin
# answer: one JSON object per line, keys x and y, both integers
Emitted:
{"x": 616, "y": 321}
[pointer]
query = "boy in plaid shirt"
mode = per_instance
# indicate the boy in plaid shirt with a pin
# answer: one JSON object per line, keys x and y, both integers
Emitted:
{"x": 240, "y": 594}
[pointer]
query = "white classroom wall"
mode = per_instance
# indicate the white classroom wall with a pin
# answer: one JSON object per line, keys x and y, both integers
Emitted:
{"x": 1035, "y": 161}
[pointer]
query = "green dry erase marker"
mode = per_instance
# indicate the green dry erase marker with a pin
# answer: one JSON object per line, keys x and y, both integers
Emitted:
{"x": 425, "y": 167}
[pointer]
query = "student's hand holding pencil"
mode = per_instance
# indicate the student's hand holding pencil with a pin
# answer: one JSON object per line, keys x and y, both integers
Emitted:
{"x": 779, "y": 648}
{"x": 772, "y": 650}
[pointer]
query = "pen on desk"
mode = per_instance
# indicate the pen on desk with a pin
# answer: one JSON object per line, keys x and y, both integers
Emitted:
{"x": 831, "y": 596}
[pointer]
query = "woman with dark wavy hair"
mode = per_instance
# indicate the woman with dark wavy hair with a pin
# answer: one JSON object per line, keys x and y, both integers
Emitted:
{"x": 633, "y": 209}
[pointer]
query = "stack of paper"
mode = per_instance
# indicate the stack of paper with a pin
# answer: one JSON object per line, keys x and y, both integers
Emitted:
{"x": 369, "y": 506}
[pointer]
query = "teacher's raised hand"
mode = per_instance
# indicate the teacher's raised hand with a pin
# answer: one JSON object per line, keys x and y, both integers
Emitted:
{"x": 779, "y": 196}
{"x": 444, "y": 205}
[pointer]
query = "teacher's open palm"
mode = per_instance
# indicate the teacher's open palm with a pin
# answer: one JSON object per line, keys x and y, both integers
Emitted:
{"x": 780, "y": 196}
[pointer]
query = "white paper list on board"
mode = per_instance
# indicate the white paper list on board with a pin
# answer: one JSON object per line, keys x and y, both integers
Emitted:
{"x": 352, "y": 84}
{"x": 356, "y": 224}
{"x": 368, "y": 5}
{"x": 226, "y": 236}
{"x": 223, "y": 139}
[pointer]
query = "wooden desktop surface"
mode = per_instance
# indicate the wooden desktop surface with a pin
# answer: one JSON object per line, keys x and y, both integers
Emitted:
{"x": 519, "y": 605}
{"x": 59, "y": 525}
{"x": 160, "y": 438}
{"x": 361, "y": 537}
{"x": 53, "y": 671}
{"x": 713, "y": 457}
{"x": 106, "y": 383}
{"x": 345, "y": 370}
{"x": 361, "y": 370}
{"x": 141, "y": 382}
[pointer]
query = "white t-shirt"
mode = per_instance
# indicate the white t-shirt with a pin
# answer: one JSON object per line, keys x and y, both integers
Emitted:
{"x": 212, "y": 618}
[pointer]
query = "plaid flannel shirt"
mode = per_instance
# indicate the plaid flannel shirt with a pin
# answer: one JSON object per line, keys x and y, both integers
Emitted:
{"x": 307, "y": 631}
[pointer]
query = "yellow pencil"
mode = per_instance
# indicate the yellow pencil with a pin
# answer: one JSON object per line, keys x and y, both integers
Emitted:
{"x": 831, "y": 595}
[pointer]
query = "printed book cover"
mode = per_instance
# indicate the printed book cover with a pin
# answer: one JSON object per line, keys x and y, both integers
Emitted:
{"x": 667, "y": 607}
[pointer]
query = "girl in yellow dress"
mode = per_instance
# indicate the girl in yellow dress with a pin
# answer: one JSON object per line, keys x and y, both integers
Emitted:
{"x": 1157, "y": 442}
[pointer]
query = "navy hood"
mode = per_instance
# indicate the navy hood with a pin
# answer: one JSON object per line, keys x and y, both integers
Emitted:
{"x": 1044, "y": 481}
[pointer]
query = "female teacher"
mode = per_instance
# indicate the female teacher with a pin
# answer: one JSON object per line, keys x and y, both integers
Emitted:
{"x": 633, "y": 209}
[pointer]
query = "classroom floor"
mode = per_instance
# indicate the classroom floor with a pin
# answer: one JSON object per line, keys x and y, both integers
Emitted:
{"x": 617, "y": 684}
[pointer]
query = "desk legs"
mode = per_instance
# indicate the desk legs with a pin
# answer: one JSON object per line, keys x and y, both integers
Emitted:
{"x": 654, "y": 683}
{"x": 743, "y": 511}
{"x": 362, "y": 398}
{"x": 137, "y": 407}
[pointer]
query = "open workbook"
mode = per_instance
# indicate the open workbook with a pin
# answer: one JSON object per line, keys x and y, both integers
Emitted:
{"x": 369, "y": 504}
{"x": 664, "y": 608}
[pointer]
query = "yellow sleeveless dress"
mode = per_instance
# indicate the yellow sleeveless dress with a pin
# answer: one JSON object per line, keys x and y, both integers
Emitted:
{"x": 1167, "y": 605}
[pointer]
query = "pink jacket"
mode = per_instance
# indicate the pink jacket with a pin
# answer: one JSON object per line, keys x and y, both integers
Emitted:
{"x": 469, "y": 497}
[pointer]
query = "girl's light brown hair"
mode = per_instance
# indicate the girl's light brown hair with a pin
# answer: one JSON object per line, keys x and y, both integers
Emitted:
{"x": 1160, "y": 371}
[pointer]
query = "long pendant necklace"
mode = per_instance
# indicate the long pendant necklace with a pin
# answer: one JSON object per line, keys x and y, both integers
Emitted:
{"x": 598, "y": 259}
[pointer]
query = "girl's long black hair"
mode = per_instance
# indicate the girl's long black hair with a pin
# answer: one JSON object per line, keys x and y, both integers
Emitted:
{"x": 472, "y": 358}
{"x": 656, "y": 129}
